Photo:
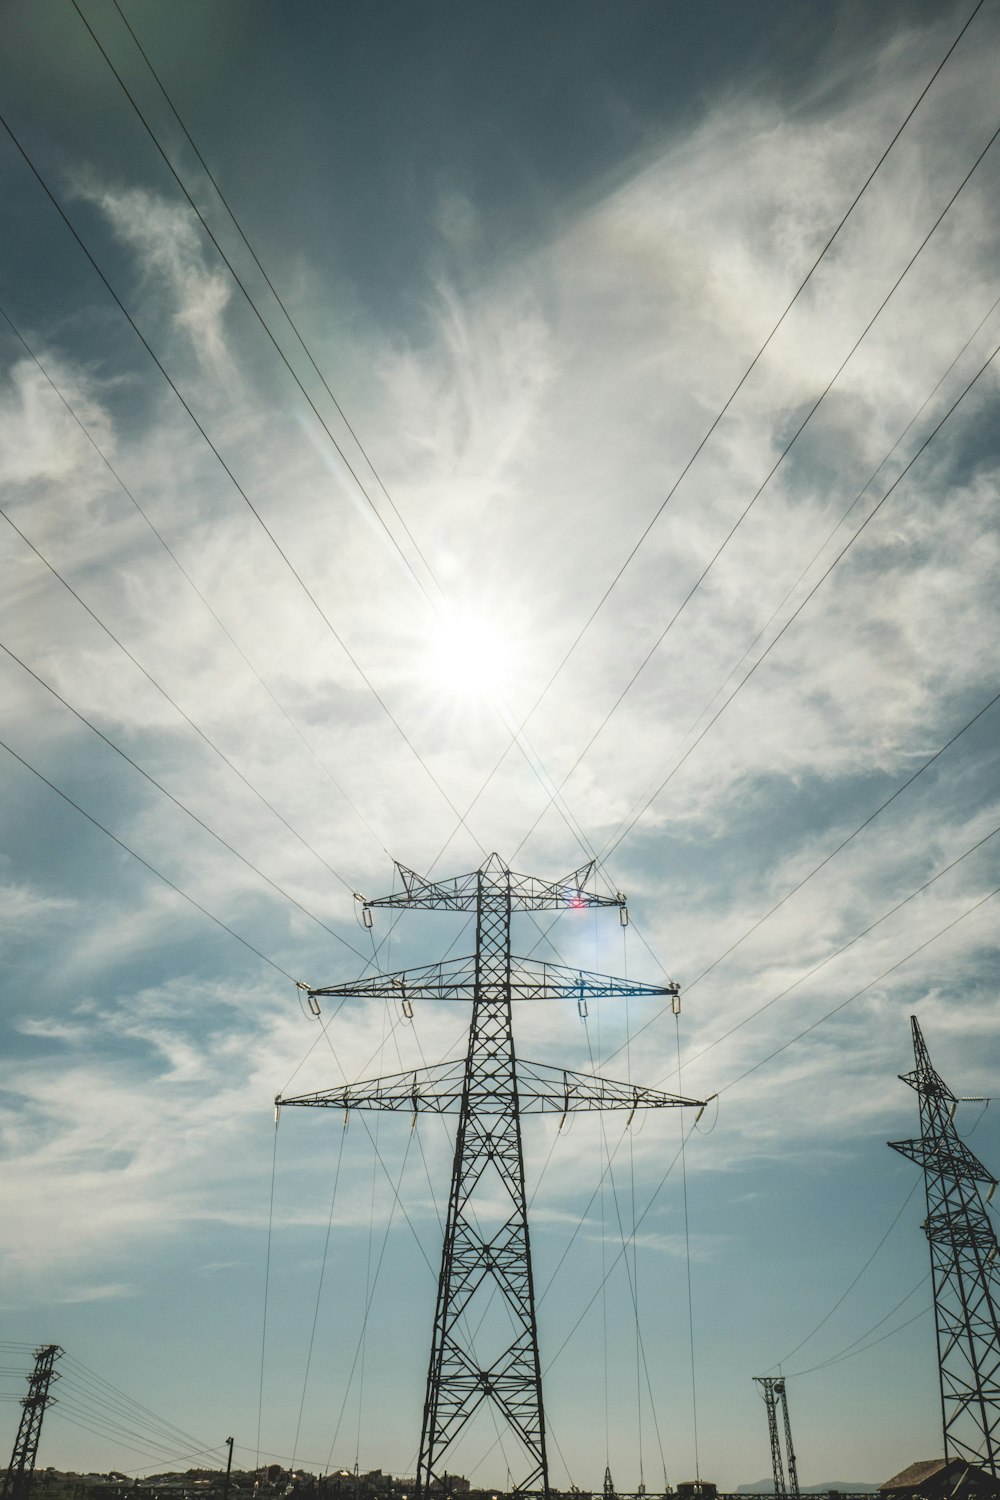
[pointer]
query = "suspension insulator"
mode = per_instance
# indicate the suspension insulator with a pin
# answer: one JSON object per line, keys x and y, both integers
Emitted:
{"x": 408, "y": 1009}
{"x": 314, "y": 1006}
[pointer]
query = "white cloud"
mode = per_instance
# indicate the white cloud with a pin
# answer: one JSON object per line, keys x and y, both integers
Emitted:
{"x": 527, "y": 438}
{"x": 173, "y": 254}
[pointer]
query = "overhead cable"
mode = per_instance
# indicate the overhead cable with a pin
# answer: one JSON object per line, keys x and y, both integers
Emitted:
{"x": 529, "y": 755}
{"x": 324, "y": 617}
{"x": 191, "y": 900}
{"x": 172, "y": 701}
{"x": 733, "y": 394}
{"x": 763, "y": 485}
{"x": 822, "y": 963}
{"x": 18, "y": 334}
{"x": 176, "y": 800}
{"x": 863, "y": 990}
{"x": 256, "y": 311}
{"x": 844, "y": 842}
{"x": 636, "y": 815}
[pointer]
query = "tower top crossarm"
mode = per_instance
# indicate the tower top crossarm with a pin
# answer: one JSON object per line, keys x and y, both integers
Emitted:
{"x": 924, "y": 1077}
{"x": 526, "y": 892}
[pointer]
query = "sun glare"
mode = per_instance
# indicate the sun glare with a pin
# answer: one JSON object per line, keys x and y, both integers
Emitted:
{"x": 469, "y": 657}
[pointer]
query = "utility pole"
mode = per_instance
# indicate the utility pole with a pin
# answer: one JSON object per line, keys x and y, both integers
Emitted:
{"x": 963, "y": 1247}
{"x": 772, "y": 1388}
{"x": 18, "y": 1478}
{"x": 485, "y": 1282}
{"x": 229, "y": 1469}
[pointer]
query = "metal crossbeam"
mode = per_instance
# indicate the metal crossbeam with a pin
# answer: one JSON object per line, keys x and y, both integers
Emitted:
{"x": 541, "y": 1089}
{"x": 526, "y": 892}
{"x": 455, "y": 979}
{"x": 964, "y": 1271}
{"x": 486, "y": 1275}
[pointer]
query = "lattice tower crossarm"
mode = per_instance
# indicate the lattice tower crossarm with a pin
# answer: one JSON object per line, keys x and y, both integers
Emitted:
{"x": 964, "y": 1269}
{"x": 18, "y": 1478}
{"x": 489, "y": 1089}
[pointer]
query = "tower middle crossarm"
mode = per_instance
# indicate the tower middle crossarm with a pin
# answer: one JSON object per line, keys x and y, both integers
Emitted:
{"x": 486, "y": 1242}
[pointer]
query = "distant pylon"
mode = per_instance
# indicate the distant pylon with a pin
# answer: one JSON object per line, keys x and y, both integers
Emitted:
{"x": 964, "y": 1272}
{"x": 17, "y": 1480}
{"x": 772, "y": 1388}
{"x": 484, "y": 1343}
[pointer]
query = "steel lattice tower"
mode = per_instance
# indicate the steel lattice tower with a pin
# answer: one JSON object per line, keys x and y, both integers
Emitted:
{"x": 772, "y": 1388}
{"x": 17, "y": 1480}
{"x": 963, "y": 1246}
{"x": 477, "y": 1355}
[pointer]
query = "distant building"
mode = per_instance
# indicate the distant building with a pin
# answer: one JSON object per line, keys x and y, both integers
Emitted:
{"x": 936, "y": 1479}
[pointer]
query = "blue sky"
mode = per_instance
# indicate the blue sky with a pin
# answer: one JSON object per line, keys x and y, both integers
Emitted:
{"x": 532, "y": 250}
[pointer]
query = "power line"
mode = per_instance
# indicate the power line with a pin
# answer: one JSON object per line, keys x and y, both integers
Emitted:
{"x": 516, "y": 734}
{"x": 176, "y": 800}
{"x": 634, "y": 818}
{"x": 863, "y": 990}
{"x": 850, "y": 1288}
{"x": 192, "y": 901}
{"x": 172, "y": 701}
{"x": 230, "y": 475}
{"x": 851, "y": 1350}
{"x": 822, "y": 963}
{"x": 270, "y": 285}
{"x": 814, "y": 871}
{"x": 846, "y": 514}
{"x": 732, "y": 396}
{"x": 83, "y": 1373}
{"x": 844, "y": 842}
{"x": 256, "y": 311}
{"x": 184, "y": 572}
{"x": 764, "y": 483}
{"x": 656, "y": 959}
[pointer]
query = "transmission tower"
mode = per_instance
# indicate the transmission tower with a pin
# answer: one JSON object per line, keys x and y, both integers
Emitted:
{"x": 963, "y": 1247}
{"x": 772, "y": 1388}
{"x": 484, "y": 1344}
{"x": 17, "y": 1480}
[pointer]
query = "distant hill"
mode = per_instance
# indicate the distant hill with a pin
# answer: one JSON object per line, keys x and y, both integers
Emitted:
{"x": 845, "y": 1486}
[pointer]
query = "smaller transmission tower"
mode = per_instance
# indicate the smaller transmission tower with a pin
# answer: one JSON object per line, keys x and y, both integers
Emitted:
{"x": 17, "y": 1480}
{"x": 964, "y": 1273}
{"x": 772, "y": 1388}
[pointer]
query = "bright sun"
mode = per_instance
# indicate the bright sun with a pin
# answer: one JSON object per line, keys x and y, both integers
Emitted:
{"x": 469, "y": 657}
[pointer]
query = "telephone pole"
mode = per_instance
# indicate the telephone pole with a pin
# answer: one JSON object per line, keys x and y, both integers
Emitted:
{"x": 485, "y": 1282}
{"x": 964, "y": 1273}
{"x": 18, "y": 1478}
